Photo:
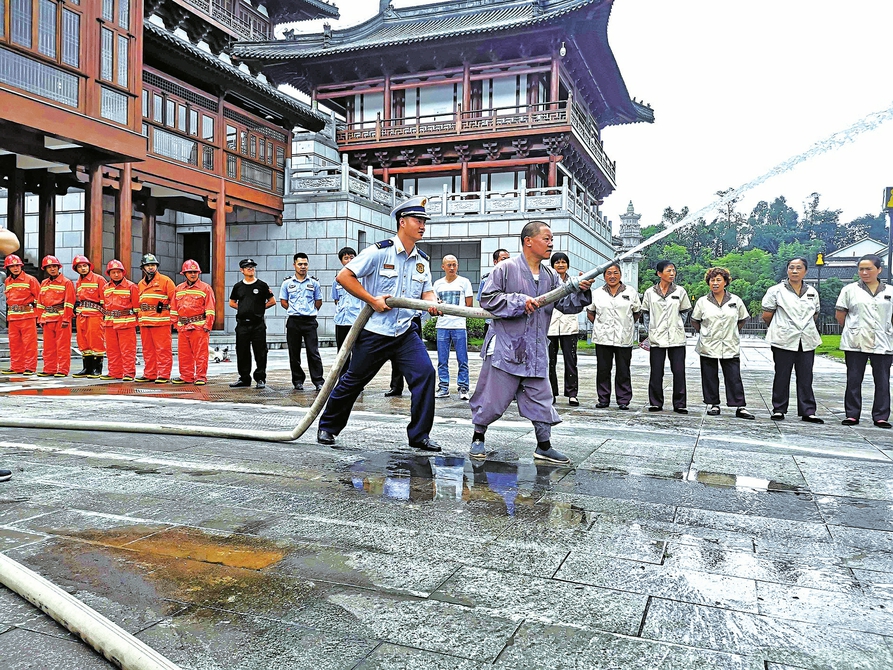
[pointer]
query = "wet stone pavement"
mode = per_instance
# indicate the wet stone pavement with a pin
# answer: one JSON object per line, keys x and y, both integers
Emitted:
{"x": 673, "y": 542}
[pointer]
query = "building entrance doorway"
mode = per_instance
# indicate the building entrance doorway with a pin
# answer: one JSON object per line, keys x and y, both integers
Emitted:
{"x": 197, "y": 247}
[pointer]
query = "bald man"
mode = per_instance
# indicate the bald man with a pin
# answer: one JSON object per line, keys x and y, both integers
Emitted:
{"x": 452, "y": 289}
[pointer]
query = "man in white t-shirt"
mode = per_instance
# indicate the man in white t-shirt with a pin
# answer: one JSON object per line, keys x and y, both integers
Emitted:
{"x": 452, "y": 290}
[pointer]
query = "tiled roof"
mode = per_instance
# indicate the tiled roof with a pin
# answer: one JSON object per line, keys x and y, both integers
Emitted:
{"x": 290, "y": 107}
{"x": 287, "y": 11}
{"x": 843, "y": 272}
{"x": 418, "y": 24}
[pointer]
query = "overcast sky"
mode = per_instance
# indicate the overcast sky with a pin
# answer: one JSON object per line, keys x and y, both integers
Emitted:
{"x": 737, "y": 87}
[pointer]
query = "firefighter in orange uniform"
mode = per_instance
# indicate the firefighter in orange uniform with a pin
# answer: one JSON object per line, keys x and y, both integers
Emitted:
{"x": 88, "y": 308}
{"x": 121, "y": 300}
{"x": 193, "y": 310}
{"x": 22, "y": 293}
{"x": 156, "y": 295}
{"x": 55, "y": 307}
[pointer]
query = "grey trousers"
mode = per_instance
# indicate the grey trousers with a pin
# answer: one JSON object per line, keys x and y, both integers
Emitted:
{"x": 496, "y": 389}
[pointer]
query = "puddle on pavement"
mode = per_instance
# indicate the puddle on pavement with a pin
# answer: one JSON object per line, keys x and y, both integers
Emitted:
{"x": 510, "y": 487}
{"x": 723, "y": 479}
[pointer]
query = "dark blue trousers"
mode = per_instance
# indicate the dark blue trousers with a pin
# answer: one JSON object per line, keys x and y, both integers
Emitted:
{"x": 369, "y": 354}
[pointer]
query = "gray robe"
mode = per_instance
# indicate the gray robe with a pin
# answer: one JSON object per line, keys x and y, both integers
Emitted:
{"x": 521, "y": 343}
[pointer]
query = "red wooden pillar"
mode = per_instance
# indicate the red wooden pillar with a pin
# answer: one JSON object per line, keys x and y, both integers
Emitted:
{"x": 93, "y": 215}
{"x": 553, "y": 172}
{"x": 218, "y": 254}
{"x": 466, "y": 187}
{"x": 46, "y": 216}
{"x": 386, "y": 102}
{"x": 124, "y": 215}
{"x": 554, "y": 83}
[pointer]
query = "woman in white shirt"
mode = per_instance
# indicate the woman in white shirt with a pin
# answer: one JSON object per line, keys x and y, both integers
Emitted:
{"x": 664, "y": 307}
{"x": 614, "y": 310}
{"x": 791, "y": 309}
{"x": 564, "y": 332}
{"x": 718, "y": 318}
{"x": 865, "y": 310}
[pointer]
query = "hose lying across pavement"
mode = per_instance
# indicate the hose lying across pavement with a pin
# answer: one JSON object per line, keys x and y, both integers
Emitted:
{"x": 567, "y": 288}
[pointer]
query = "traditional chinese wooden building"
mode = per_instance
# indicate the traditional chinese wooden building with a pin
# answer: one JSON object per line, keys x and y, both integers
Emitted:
{"x": 495, "y": 108}
{"x": 138, "y": 107}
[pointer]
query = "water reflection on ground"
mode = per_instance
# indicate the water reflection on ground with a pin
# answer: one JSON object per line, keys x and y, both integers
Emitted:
{"x": 453, "y": 479}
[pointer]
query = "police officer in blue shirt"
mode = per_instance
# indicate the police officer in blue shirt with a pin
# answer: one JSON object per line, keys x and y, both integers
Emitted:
{"x": 398, "y": 268}
{"x": 347, "y": 306}
{"x": 301, "y": 297}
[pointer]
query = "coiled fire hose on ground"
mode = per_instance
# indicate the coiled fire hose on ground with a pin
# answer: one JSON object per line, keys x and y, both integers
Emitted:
{"x": 567, "y": 288}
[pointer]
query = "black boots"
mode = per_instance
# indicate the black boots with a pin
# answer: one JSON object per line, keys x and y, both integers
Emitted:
{"x": 88, "y": 367}
{"x": 96, "y": 368}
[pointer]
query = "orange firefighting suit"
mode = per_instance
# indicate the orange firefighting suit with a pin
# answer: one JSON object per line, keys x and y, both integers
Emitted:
{"x": 88, "y": 296}
{"x": 55, "y": 307}
{"x": 121, "y": 302}
{"x": 193, "y": 309}
{"x": 155, "y": 321}
{"x": 22, "y": 294}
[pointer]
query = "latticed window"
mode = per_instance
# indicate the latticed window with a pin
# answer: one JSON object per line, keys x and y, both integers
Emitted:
{"x": 208, "y": 157}
{"x": 20, "y": 22}
{"x": 231, "y": 135}
{"x": 113, "y": 106}
{"x": 231, "y": 166}
{"x": 71, "y": 38}
{"x": 181, "y": 118}
{"x": 124, "y": 14}
{"x": 122, "y": 60}
{"x": 38, "y": 78}
{"x": 46, "y": 28}
{"x": 108, "y": 10}
{"x": 2, "y": 19}
{"x": 207, "y": 128}
{"x": 193, "y": 122}
{"x": 107, "y": 54}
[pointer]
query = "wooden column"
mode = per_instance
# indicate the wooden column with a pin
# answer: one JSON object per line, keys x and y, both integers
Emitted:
{"x": 554, "y": 83}
{"x": 46, "y": 216}
{"x": 466, "y": 87}
{"x": 218, "y": 255}
{"x": 553, "y": 172}
{"x": 386, "y": 102}
{"x": 15, "y": 207}
{"x": 465, "y": 184}
{"x": 93, "y": 215}
{"x": 124, "y": 215}
{"x": 148, "y": 228}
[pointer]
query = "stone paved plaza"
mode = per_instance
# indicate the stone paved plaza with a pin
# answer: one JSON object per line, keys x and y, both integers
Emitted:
{"x": 674, "y": 541}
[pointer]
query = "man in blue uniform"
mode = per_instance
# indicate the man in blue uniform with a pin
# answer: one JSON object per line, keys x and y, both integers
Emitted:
{"x": 301, "y": 297}
{"x": 391, "y": 268}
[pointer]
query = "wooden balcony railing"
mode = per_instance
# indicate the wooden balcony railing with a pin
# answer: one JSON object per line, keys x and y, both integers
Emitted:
{"x": 254, "y": 31}
{"x": 495, "y": 120}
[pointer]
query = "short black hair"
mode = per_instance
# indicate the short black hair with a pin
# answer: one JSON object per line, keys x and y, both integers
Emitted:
{"x": 498, "y": 253}
{"x": 298, "y": 255}
{"x": 346, "y": 251}
{"x": 797, "y": 258}
{"x": 874, "y": 259}
{"x": 532, "y": 229}
{"x": 560, "y": 256}
{"x": 663, "y": 265}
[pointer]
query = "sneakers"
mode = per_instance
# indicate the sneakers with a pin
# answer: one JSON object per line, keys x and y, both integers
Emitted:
{"x": 298, "y": 387}
{"x": 239, "y": 383}
{"x": 317, "y": 388}
{"x": 442, "y": 393}
{"x": 260, "y": 385}
{"x": 478, "y": 451}
{"x": 5, "y": 475}
{"x": 550, "y": 455}
{"x": 463, "y": 395}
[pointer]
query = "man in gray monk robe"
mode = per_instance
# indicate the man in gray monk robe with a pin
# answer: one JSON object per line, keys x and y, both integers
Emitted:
{"x": 516, "y": 361}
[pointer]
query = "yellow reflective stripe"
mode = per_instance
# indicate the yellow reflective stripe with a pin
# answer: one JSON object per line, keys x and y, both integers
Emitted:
{"x": 69, "y": 305}
{"x": 209, "y": 312}
{"x": 157, "y": 296}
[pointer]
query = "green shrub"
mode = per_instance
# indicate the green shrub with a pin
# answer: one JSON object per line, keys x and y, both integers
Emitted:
{"x": 475, "y": 329}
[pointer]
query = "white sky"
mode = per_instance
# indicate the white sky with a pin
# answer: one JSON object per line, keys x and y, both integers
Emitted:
{"x": 738, "y": 86}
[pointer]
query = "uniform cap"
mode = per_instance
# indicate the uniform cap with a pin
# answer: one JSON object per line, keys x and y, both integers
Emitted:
{"x": 12, "y": 259}
{"x": 114, "y": 265}
{"x": 81, "y": 259}
{"x": 49, "y": 260}
{"x": 190, "y": 266}
{"x": 247, "y": 262}
{"x": 412, "y": 207}
{"x": 149, "y": 259}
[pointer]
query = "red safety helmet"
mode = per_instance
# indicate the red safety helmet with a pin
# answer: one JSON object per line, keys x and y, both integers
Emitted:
{"x": 12, "y": 259}
{"x": 190, "y": 266}
{"x": 81, "y": 259}
{"x": 49, "y": 260}
{"x": 114, "y": 265}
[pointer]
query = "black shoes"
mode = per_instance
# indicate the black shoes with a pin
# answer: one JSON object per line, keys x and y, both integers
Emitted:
{"x": 325, "y": 437}
{"x": 393, "y": 393}
{"x": 812, "y": 418}
{"x": 654, "y": 408}
{"x": 883, "y": 424}
{"x": 238, "y": 384}
{"x": 849, "y": 421}
{"x": 623, "y": 407}
{"x": 298, "y": 387}
{"x": 260, "y": 385}
{"x": 5, "y": 475}
{"x": 573, "y": 401}
{"x": 680, "y": 410}
{"x": 779, "y": 416}
{"x": 426, "y": 445}
{"x": 742, "y": 413}
{"x": 318, "y": 388}
{"x": 601, "y": 405}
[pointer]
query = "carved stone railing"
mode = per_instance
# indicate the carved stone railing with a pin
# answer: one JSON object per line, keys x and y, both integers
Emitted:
{"x": 341, "y": 178}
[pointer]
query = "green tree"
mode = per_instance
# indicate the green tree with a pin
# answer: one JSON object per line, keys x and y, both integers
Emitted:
{"x": 828, "y": 293}
{"x": 820, "y": 224}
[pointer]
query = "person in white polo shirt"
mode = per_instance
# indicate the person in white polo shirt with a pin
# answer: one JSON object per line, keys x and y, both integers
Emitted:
{"x": 718, "y": 318}
{"x": 865, "y": 310}
{"x": 452, "y": 289}
{"x": 791, "y": 309}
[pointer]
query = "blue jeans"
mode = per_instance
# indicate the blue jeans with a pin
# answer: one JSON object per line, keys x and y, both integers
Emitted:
{"x": 458, "y": 337}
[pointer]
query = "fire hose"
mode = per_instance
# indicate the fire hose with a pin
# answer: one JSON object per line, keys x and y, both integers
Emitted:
{"x": 571, "y": 286}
